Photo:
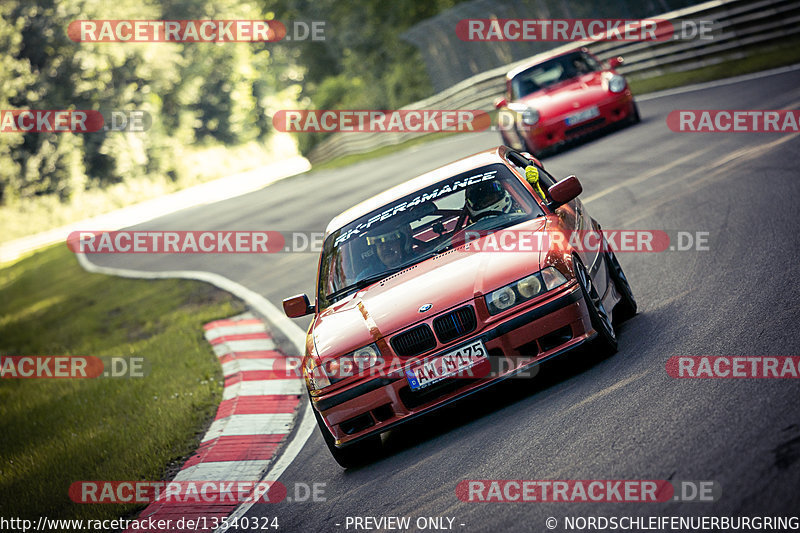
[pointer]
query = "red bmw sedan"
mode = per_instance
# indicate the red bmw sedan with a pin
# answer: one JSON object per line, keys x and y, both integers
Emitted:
{"x": 439, "y": 288}
{"x": 561, "y": 98}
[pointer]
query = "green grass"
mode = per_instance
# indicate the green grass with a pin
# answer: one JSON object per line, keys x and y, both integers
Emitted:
{"x": 57, "y": 431}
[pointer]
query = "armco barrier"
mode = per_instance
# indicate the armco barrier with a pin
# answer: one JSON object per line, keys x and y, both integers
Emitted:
{"x": 738, "y": 24}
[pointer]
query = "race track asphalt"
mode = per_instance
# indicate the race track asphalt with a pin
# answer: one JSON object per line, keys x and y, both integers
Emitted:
{"x": 618, "y": 418}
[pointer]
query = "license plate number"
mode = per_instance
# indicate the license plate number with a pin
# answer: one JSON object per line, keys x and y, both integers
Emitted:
{"x": 443, "y": 366}
{"x": 582, "y": 116}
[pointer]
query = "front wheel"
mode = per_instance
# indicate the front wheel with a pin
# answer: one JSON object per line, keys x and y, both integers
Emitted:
{"x": 626, "y": 307}
{"x": 635, "y": 117}
{"x": 353, "y": 455}
{"x": 606, "y": 341}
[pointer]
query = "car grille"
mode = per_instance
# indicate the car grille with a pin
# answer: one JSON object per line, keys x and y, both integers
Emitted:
{"x": 414, "y": 341}
{"x": 455, "y": 324}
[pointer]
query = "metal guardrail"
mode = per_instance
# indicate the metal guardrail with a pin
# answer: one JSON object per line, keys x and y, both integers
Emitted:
{"x": 737, "y": 25}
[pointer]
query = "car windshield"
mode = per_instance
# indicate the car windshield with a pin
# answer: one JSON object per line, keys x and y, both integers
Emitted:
{"x": 419, "y": 226}
{"x": 551, "y": 72}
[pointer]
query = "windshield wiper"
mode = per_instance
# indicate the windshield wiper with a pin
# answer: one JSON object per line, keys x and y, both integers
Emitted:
{"x": 360, "y": 284}
{"x": 443, "y": 247}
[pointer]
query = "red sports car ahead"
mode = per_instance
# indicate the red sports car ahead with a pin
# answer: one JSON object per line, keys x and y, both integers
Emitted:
{"x": 438, "y": 288}
{"x": 561, "y": 98}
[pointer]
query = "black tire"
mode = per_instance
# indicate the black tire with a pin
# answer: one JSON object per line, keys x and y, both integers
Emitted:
{"x": 635, "y": 118}
{"x": 626, "y": 308}
{"x": 352, "y": 455}
{"x": 505, "y": 139}
{"x": 606, "y": 340}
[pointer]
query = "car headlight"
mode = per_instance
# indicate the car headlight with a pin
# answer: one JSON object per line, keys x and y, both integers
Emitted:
{"x": 525, "y": 113}
{"x": 336, "y": 369}
{"x": 553, "y": 278}
{"x": 616, "y": 84}
{"x": 366, "y": 357}
{"x": 315, "y": 375}
{"x": 524, "y": 289}
{"x": 501, "y": 299}
{"x": 529, "y": 116}
{"x": 529, "y": 287}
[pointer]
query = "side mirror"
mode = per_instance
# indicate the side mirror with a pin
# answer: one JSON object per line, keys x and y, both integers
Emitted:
{"x": 500, "y": 102}
{"x": 614, "y": 62}
{"x": 565, "y": 190}
{"x": 298, "y": 306}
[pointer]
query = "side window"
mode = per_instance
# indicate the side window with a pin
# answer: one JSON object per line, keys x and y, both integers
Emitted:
{"x": 593, "y": 64}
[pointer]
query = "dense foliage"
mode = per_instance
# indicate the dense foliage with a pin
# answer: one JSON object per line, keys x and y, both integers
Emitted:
{"x": 198, "y": 94}
{"x": 362, "y": 63}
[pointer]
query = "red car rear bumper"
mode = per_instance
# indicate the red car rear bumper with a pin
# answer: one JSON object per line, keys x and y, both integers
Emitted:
{"x": 516, "y": 343}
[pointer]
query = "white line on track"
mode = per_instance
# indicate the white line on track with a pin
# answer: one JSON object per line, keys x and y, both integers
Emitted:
{"x": 607, "y": 390}
{"x": 718, "y": 83}
{"x": 646, "y": 176}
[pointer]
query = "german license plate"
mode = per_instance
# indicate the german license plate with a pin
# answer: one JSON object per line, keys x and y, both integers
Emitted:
{"x": 443, "y": 366}
{"x": 582, "y": 116}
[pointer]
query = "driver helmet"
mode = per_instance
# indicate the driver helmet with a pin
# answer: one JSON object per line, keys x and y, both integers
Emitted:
{"x": 392, "y": 244}
{"x": 387, "y": 235}
{"x": 488, "y": 196}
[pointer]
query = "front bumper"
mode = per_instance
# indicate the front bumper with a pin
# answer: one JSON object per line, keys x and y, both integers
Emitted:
{"x": 554, "y": 131}
{"x": 517, "y": 343}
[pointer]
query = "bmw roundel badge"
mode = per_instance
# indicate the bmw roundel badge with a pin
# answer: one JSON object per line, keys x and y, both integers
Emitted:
{"x": 425, "y": 307}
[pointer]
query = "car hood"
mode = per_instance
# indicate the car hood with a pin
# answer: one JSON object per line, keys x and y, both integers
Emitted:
{"x": 569, "y": 96}
{"x": 443, "y": 282}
